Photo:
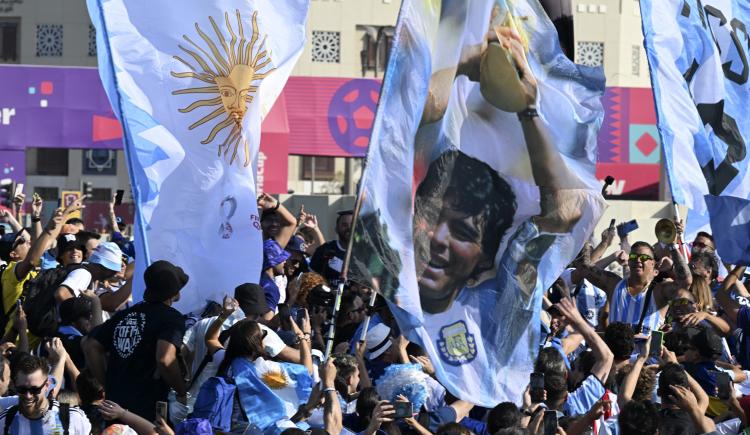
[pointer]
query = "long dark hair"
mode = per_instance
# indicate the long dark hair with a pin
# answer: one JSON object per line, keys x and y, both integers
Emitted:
{"x": 245, "y": 341}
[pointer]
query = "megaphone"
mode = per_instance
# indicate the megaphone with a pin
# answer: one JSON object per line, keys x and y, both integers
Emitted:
{"x": 665, "y": 231}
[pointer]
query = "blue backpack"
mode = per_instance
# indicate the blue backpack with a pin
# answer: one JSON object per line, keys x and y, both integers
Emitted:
{"x": 215, "y": 402}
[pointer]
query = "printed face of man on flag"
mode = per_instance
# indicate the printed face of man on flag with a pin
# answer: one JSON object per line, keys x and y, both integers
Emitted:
{"x": 462, "y": 210}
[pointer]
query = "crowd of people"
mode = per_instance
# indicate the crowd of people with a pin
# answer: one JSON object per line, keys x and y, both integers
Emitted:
{"x": 642, "y": 341}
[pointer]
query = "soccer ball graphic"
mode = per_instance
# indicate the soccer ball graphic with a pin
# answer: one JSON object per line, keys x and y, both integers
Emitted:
{"x": 351, "y": 114}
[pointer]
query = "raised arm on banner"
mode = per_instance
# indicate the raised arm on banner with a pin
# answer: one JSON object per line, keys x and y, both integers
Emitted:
{"x": 287, "y": 222}
{"x": 559, "y": 212}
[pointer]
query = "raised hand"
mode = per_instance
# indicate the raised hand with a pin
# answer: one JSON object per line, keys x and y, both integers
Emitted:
{"x": 19, "y": 320}
{"x": 36, "y": 205}
{"x": 229, "y": 306}
{"x": 266, "y": 201}
{"x": 424, "y": 362}
{"x": 608, "y": 235}
{"x": 75, "y": 205}
{"x": 511, "y": 40}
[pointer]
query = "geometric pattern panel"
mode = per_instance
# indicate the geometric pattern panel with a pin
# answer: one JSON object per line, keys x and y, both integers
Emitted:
{"x": 589, "y": 53}
{"x": 326, "y": 46}
{"x": 644, "y": 144}
{"x": 49, "y": 40}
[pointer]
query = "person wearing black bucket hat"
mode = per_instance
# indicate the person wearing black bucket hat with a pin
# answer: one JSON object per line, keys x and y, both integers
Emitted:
{"x": 140, "y": 341}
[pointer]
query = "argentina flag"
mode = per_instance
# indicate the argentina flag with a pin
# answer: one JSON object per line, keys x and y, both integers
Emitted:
{"x": 270, "y": 392}
{"x": 698, "y": 59}
{"x": 490, "y": 187}
{"x": 191, "y": 81}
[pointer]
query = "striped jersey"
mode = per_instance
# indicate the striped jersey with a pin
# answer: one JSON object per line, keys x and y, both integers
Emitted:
{"x": 627, "y": 309}
{"x": 48, "y": 424}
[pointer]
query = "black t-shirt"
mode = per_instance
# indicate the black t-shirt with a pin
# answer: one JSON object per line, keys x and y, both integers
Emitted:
{"x": 130, "y": 339}
{"x": 328, "y": 261}
{"x": 675, "y": 421}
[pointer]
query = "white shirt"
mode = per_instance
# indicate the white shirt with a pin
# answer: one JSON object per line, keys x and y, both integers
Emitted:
{"x": 194, "y": 340}
{"x": 49, "y": 423}
{"x": 78, "y": 281}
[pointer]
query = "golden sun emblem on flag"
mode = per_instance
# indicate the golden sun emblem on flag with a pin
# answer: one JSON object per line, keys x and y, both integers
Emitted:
{"x": 232, "y": 70}
{"x": 275, "y": 379}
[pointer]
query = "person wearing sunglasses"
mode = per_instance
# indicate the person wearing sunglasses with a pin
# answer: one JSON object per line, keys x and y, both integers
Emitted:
{"x": 35, "y": 412}
{"x": 639, "y": 299}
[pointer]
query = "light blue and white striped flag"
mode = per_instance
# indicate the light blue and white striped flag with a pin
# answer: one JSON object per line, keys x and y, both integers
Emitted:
{"x": 698, "y": 57}
{"x": 191, "y": 81}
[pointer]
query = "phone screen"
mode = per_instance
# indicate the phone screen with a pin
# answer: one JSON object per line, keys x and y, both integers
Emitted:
{"x": 536, "y": 387}
{"x": 657, "y": 338}
{"x": 402, "y": 409}
{"x": 550, "y": 422}
{"x": 161, "y": 409}
{"x": 118, "y": 196}
{"x": 724, "y": 384}
{"x": 19, "y": 189}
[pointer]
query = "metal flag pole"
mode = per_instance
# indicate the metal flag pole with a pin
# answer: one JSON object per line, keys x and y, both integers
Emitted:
{"x": 366, "y": 323}
{"x": 342, "y": 281}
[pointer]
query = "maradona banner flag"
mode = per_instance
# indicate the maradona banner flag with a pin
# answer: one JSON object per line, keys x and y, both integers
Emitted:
{"x": 698, "y": 56}
{"x": 191, "y": 81}
{"x": 479, "y": 187}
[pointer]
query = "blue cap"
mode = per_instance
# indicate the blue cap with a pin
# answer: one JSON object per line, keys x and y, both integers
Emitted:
{"x": 273, "y": 254}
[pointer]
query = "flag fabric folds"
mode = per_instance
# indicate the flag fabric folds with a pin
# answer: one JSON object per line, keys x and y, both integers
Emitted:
{"x": 190, "y": 84}
{"x": 270, "y": 392}
{"x": 730, "y": 225}
{"x": 698, "y": 58}
{"x": 468, "y": 213}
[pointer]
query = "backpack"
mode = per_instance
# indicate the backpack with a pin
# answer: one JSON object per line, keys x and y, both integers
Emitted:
{"x": 4, "y": 313}
{"x": 64, "y": 410}
{"x": 39, "y": 300}
{"x": 215, "y": 403}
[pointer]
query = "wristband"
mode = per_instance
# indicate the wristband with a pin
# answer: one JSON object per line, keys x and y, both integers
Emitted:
{"x": 35, "y": 219}
{"x": 329, "y": 389}
{"x": 276, "y": 207}
{"x": 528, "y": 113}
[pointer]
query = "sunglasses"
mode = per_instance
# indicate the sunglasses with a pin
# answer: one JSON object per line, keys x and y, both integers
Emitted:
{"x": 20, "y": 240}
{"x": 640, "y": 257}
{"x": 33, "y": 390}
{"x": 681, "y": 302}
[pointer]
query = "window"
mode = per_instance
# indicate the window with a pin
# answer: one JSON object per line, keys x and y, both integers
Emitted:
{"x": 326, "y": 46}
{"x": 51, "y": 161}
{"x": 376, "y": 48}
{"x": 324, "y": 168}
{"x": 102, "y": 195}
{"x": 47, "y": 193}
{"x": 9, "y": 40}
{"x": 49, "y": 40}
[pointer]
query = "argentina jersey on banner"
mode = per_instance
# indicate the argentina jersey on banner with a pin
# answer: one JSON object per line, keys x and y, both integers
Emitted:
{"x": 191, "y": 81}
{"x": 479, "y": 187}
{"x": 698, "y": 58}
